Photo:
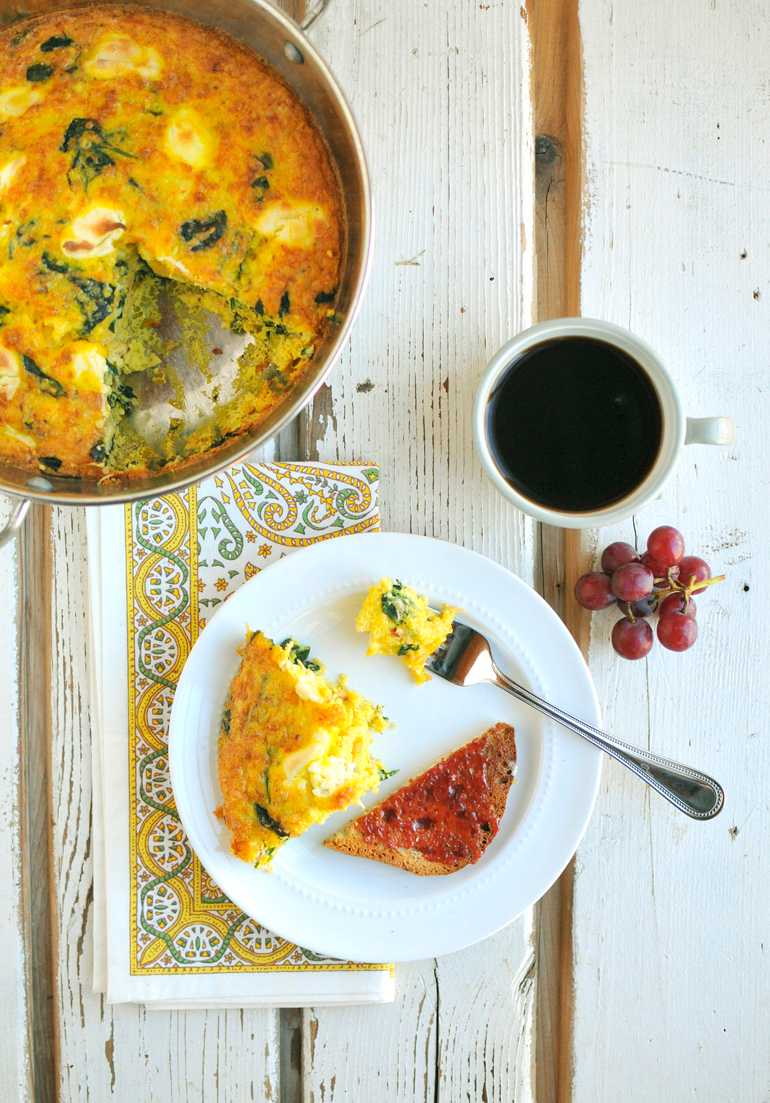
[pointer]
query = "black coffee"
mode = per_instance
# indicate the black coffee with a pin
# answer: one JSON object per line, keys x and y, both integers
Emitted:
{"x": 574, "y": 424}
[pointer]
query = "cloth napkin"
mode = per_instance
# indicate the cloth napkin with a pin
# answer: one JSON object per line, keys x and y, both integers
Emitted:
{"x": 164, "y": 934}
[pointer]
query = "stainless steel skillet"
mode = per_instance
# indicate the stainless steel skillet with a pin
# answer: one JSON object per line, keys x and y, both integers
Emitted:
{"x": 282, "y": 43}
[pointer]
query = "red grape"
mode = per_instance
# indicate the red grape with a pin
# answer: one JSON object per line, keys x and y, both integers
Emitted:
{"x": 632, "y": 639}
{"x": 594, "y": 591}
{"x": 644, "y": 608}
{"x": 666, "y": 545}
{"x": 677, "y": 631}
{"x": 659, "y": 570}
{"x": 632, "y": 582}
{"x": 693, "y": 565}
{"x": 675, "y": 603}
{"x": 617, "y": 555}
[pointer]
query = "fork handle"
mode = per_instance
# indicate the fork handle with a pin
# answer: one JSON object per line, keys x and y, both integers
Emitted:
{"x": 692, "y": 792}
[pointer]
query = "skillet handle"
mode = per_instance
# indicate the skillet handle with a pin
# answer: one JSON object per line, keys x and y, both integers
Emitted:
{"x": 317, "y": 9}
{"x": 15, "y": 521}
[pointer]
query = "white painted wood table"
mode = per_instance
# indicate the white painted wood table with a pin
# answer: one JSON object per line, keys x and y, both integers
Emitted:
{"x": 670, "y": 917}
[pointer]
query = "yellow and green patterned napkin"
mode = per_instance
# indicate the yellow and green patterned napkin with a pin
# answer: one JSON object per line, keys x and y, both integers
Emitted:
{"x": 165, "y": 934}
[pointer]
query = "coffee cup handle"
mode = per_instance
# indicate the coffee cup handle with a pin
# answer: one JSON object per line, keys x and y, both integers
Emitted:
{"x": 710, "y": 430}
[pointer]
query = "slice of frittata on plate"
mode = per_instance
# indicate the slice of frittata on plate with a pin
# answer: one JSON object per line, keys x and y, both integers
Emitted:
{"x": 293, "y": 748}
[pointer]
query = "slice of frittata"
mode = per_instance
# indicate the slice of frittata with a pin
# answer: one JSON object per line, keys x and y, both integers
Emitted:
{"x": 293, "y": 749}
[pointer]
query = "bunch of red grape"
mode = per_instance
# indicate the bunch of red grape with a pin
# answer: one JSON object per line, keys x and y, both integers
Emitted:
{"x": 661, "y": 581}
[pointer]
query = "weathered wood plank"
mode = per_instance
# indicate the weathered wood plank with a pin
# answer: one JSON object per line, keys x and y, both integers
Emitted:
{"x": 486, "y": 1018}
{"x": 671, "y": 963}
{"x": 460, "y": 1028}
{"x": 15, "y": 1010}
{"x": 451, "y": 162}
{"x": 557, "y": 111}
{"x": 441, "y": 97}
{"x": 381, "y": 1052}
{"x": 35, "y": 787}
{"x": 557, "y": 100}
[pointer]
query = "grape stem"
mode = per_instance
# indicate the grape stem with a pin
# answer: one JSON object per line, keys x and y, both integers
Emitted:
{"x": 686, "y": 590}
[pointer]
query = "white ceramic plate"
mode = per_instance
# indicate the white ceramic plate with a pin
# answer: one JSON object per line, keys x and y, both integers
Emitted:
{"x": 353, "y": 908}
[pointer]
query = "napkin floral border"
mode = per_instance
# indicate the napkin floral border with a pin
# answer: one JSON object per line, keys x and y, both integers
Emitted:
{"x": 185, "y": 554}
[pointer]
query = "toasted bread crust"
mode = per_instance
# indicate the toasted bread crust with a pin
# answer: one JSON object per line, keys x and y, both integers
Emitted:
{"x": 501, "y": 762}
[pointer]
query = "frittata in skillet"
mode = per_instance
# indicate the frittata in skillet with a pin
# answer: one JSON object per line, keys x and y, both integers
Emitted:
{"x": 293, "y": 748}
{"x": 141, "y": 152}
{"x": 400, "y": 622}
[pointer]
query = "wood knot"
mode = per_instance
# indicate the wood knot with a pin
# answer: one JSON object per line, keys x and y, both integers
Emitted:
{"x": 547, "y": 152}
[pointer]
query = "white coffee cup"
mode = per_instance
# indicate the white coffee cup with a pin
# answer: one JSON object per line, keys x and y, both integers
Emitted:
{"x": 676, "y": 430}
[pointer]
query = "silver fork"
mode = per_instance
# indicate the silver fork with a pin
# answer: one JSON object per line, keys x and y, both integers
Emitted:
{"x": 465, "y": 659}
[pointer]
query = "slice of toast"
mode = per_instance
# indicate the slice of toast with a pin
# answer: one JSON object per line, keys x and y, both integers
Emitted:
{"x": 444, "y": 819}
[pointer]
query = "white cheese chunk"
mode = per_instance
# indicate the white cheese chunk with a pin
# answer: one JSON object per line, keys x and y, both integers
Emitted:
{"x": 176, "y": 265}
{"x": 8, "y": 171}
{"x": 17, "y": 100}
{"x": 117, "y": 55}
{"x": 23, "y": 438}
{"x": 10, "y": 373}
{"x": 94, "y": 234}
{"x": 309, "y": 689}
{"x": 296, "y": 224}
{"x": 298, "y": 760}
{"x": 88, "y": 369}
{"x": 329, "y": 776}
{"x": 306, "y": 682}
{"x": 190, "y": 139}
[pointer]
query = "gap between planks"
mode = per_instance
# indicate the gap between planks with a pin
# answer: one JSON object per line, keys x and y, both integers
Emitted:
{"x": 298, "y": 442}
{"x": 557, "y": 95}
